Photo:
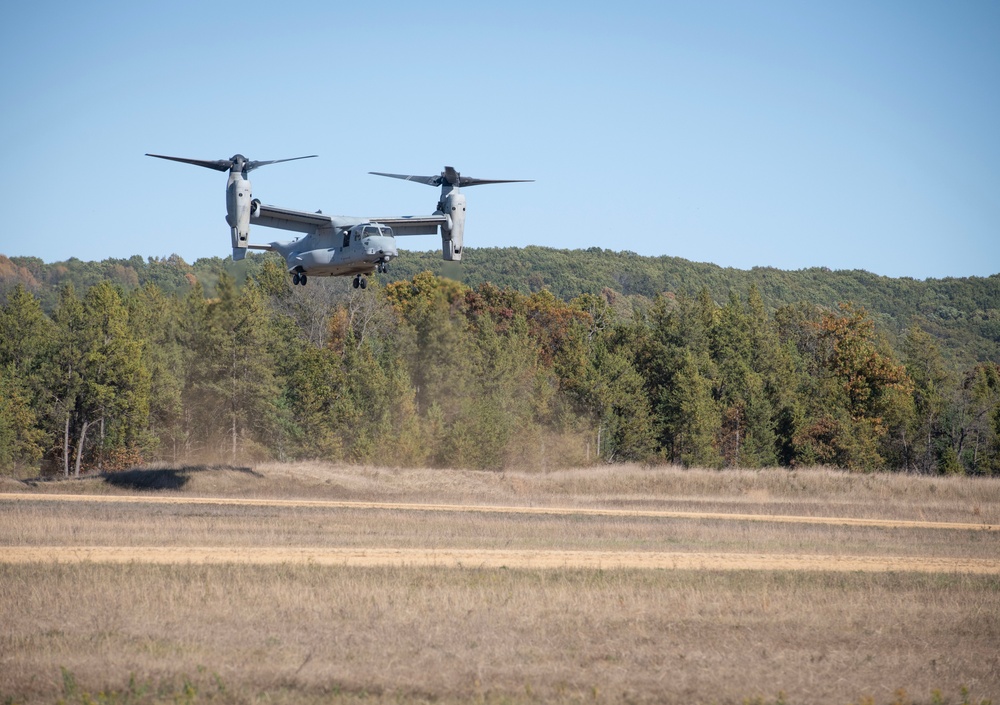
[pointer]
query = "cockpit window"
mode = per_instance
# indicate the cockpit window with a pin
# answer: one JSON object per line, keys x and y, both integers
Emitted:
{"x": 375, "y": 231}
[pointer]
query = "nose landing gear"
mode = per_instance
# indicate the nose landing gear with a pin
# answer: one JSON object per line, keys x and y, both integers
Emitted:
{"x": 299, "y": 278}
{"x": 360, "y": 281}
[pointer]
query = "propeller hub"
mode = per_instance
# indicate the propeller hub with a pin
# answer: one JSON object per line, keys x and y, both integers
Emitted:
{"x": 239, "y": 164}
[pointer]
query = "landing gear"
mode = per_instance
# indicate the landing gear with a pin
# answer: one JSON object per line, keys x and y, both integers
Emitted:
{"x": 382, "y": 267}
{"x": 299, "y": 278}
{"x": 360, "y": 281}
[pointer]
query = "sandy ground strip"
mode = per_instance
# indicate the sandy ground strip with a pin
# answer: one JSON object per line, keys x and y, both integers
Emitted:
{"x": 474, "y": 558}
{"x": 486, "y": 509}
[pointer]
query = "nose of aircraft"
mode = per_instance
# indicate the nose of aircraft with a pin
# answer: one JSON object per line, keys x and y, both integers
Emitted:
{"x": 382, "y": 245}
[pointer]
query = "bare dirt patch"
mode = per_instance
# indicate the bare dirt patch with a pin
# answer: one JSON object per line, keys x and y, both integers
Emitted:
{"x": 815, "y": 492}
{"x": 474, "y": 508}
{"x": 450, "y": 558}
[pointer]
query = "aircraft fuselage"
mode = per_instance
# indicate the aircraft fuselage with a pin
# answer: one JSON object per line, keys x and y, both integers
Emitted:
{"x": 360, "y": 249}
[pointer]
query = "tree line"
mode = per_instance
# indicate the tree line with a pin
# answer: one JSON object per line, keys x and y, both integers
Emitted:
{"x": 427, "y": 371}
{"x": 962, "y": 314}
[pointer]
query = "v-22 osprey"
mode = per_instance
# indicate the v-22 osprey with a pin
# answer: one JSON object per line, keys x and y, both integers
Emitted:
{"x": 334, "y": 245}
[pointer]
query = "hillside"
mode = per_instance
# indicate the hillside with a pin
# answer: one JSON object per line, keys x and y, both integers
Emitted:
{"x": 963, "y": 314}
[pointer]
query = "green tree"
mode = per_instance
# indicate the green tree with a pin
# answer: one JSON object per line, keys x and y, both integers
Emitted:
{"x": 315, "y": 396}
{"x": 926, "y": 368}
{"x": 99, "y": 385}
{"x": 741, "y": 346}
{"x": 970, "y": 424}
{"x": 504, "y": 407}
{"x": 696, "y": 424}
{"x": 198, "y": 412}
{"x": 443, "y": 349}
{"x": 21, "y": 440}
{"x": 64, "y": 369}
{"x": 25, "y": 332}
{"x": 25, "y": 342}
{"x": 613, "y": 393}
{"x": 231, "y": 378}
{"x": 380, "y": 418}
{"x": 156, "y": 320}
{"x": 115, "y": 392}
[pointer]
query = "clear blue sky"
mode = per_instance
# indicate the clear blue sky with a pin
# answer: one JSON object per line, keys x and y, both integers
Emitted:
{"x": 850, "y": 135}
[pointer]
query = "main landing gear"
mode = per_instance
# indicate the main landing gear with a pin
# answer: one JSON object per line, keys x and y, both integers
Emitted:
{"x": 360, "y": 281}
{"x": 299, "y": 278}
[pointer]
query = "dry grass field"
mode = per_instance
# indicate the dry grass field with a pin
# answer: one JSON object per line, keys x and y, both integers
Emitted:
{"x": 313, "y": 583}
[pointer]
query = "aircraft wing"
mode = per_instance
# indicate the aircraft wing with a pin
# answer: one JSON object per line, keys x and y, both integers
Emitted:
{"x": 285, "y": 219}
{"x": 305, "y": 222}
{"x": 414, "y": 224}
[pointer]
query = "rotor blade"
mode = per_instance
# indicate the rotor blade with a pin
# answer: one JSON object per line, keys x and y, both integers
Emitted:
{"x": 452, "y": 177}
{"x": 217, "y": 164}
{"x": 455, "y": 179}
{"x": 429, "y": 180}
{"x": 253, "y": 165}
{"x": 466, "y": 181}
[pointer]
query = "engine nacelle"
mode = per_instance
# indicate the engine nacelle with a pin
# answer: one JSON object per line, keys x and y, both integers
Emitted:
{"x": 238, "y": 211}
{"x": 452, "y": 235}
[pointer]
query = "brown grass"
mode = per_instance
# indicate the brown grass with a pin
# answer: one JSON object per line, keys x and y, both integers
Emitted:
{"x": 311, "y": 633}
{"x": 810, "y": 491}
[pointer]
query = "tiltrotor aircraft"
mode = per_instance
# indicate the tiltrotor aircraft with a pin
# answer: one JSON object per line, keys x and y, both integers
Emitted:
{"x": 335, "y": 245}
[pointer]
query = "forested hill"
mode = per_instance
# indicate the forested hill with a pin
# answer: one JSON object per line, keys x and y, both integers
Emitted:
{"x": 539, "y": 359}
{"x": 962, "y": 313}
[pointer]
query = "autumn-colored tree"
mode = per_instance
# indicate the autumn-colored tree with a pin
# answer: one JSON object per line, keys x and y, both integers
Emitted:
{"x": 871, "y": 387}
